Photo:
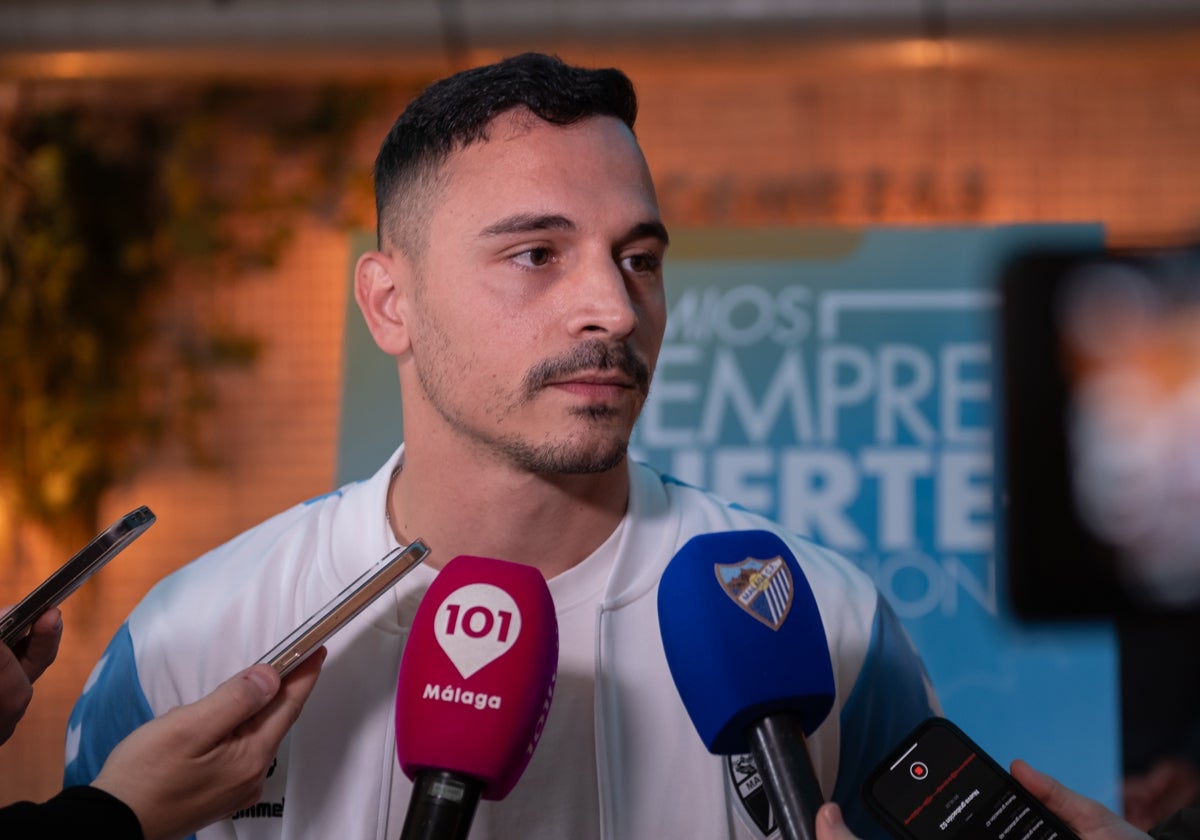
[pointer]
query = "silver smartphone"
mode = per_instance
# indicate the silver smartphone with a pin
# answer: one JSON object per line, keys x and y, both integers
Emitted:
{"x": 352, "y": 600}
{"x": 70, "y": 576}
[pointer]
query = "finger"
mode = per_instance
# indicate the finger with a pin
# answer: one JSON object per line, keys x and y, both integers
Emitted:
{"x": 273, "y": 722}
{"x": 210, "y": 719}
{"x": 15, "y": 692}
{"x": 1077, "y": 810}
{"x": 1044, "y": 787}
{"x": 12, "y": 675}
{"x": 41, "y": 647}
{"x": 830, "y": 825}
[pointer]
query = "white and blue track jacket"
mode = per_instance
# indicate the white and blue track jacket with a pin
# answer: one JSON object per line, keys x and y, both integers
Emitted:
{"x": 336, "y": 775}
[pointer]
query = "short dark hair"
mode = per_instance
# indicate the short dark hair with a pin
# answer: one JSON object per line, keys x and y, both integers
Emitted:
{"x": 456, "y": 111}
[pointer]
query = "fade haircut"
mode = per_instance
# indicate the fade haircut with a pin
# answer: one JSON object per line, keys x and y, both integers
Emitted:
{"x": 456, "y": 111}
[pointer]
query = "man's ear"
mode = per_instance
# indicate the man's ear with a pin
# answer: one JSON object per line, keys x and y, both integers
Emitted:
{"x": 380, "y": 288}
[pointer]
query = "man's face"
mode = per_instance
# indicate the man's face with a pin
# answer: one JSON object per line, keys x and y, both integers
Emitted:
{"x": 538, "y": 311}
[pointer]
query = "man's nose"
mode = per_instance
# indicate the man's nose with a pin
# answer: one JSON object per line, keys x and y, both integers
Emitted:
{"x": 601, "y": 303}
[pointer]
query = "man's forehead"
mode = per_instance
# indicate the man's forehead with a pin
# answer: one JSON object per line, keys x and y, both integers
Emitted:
{"x": 542, "y": 157}
{"x": 531, "y": 175}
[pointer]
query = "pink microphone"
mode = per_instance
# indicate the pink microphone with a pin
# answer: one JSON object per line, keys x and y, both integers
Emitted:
{"x": 475, "y": 686}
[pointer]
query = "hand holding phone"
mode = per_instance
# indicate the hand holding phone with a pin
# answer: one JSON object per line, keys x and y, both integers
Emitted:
{"x": 71, "y": 575}
{"x": 938, "y": 784}
{"x": 352, "y": 600}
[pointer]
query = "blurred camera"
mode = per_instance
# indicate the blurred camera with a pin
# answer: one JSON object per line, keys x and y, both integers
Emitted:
{"x": 1100, "y": 448}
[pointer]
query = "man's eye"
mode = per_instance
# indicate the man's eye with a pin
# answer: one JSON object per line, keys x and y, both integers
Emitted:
{"x": 643, "y": 263}
{"x": 534, "y": 257}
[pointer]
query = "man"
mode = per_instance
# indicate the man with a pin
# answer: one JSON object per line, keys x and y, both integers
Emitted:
{"x": 195, "y": 764}
{"x": 518, "y": 284}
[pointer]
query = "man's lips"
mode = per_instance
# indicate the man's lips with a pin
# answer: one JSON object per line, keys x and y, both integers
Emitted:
{"x": 596, "y": 385}
{"x": 591, "y": 369}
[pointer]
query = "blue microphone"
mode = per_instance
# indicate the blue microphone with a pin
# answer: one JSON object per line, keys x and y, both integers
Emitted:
{"x": 748, "y": 654}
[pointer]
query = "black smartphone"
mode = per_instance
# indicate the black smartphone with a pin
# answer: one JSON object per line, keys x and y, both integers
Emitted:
{"x": 938, "y": 784}
{"x": 70, "y": 576}
{"x": 352, "y": 600}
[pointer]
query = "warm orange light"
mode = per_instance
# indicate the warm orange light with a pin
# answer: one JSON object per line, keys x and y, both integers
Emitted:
{"x": 923, "y": 52}
{"x": 70, "y": 65}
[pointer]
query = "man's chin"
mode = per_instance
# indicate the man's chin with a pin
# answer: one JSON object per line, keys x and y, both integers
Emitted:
{"x": 577, "y": 458}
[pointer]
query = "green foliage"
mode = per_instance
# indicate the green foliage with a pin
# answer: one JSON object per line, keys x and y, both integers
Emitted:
{"x": 102, "y": 209}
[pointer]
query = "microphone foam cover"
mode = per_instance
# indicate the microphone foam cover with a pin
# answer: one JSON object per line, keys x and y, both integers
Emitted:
{"x": 743, "y": 636}
{"x": 477, "y": 675}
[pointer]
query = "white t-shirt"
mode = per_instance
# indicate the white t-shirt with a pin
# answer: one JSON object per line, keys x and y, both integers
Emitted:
{"x": 565, "y": 758}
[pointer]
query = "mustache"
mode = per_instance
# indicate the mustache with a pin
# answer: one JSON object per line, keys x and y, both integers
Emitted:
{"x": 591, "y": 355}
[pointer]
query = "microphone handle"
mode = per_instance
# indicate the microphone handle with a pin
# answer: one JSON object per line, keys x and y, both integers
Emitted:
{"x": 781, "y": 754}
{"x": 441, "y": 807}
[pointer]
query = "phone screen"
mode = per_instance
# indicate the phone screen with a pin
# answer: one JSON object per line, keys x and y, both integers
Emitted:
{"x": 938, "y": 784}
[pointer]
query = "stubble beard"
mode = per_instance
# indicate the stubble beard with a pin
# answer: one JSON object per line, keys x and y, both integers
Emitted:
{"x": 567, "y": 458}
{"x": 593, "y": 451}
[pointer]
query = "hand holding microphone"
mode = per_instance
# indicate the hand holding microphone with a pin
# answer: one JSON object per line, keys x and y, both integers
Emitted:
{"x": 748, "y": 653}
{"x": 475, "y": 686}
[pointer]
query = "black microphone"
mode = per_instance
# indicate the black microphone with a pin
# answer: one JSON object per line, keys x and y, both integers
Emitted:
{"x": 748, "y": 653}
{"x": 475, "y": 685}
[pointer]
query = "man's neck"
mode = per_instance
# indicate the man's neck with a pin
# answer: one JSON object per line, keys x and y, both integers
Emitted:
{"x": 490, "y": 510}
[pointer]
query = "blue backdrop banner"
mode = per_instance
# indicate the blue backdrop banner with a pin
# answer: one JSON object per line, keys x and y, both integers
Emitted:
{"x": 844, "y": 383}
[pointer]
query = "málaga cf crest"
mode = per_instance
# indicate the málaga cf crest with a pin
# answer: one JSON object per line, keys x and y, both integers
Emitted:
{"x": 762, "y": 588}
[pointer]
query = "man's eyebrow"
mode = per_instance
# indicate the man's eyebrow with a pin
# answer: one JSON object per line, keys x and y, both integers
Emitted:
{"x": 532, "y": 222}
{"x": 528, "y": 223}
{"x": 654, "y": 230}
